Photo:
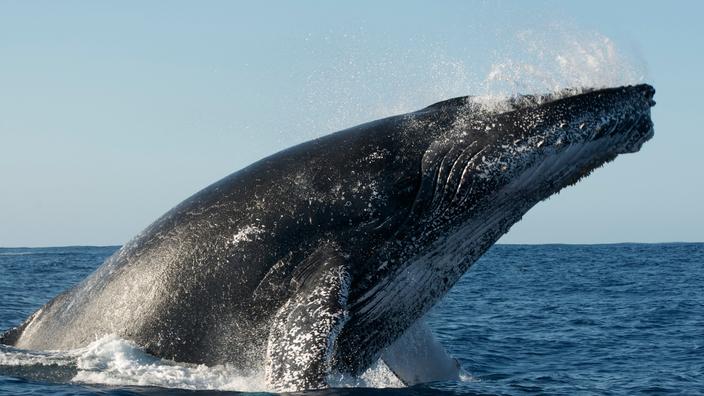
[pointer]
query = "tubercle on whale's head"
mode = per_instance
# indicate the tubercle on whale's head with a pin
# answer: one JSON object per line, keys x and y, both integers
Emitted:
{"x": 498, "y": 162}
{"x": 619, "y": 115}
{"x": 483, "y": 167}
{"x": 538, "y": 142}
{"x": 564, "y": 140}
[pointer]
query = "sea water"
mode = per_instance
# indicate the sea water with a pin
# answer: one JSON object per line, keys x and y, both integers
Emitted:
{"x": 525, "y": 319}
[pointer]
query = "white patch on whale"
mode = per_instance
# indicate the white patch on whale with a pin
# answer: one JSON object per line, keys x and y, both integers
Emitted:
{"x": 246, "y": 234}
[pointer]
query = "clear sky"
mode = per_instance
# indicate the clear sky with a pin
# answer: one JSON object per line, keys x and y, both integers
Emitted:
{"x": 113, "y": 112}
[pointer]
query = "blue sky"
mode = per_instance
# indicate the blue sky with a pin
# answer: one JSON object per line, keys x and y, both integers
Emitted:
{"x": 111, "y": 113}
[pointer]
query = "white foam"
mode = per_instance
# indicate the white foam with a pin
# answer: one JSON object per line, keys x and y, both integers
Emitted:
{"x": 377, "y": 376}
{"x": 114, "y": 361}
{"x": 16, "y": 357}
{"x": 111, "y": 360}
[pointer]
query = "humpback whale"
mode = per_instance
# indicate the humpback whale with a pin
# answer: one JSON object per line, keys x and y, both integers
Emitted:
{"x": 324, "y": 258}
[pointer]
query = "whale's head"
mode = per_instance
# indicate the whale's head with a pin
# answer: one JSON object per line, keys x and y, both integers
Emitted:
{"x": 485, "y": 166}
{"x": 515, "y": 153}
{"x": 546, "y": 144}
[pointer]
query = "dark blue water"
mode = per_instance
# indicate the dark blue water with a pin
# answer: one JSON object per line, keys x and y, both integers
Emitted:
{"x": 546, "y": 319}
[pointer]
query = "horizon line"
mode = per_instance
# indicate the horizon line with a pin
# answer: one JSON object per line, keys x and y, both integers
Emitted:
{"x": 496, "y": 244}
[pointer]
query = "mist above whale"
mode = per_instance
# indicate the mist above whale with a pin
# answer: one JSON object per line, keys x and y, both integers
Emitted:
{"x": 325, "y": 257}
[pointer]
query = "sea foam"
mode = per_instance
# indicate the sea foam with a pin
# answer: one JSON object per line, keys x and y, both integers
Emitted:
{"x": 113, "y": 361}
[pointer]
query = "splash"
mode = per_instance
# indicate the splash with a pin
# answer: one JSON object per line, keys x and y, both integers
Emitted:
{"x": 354, "y": 86}
{"x": 15, "y": 357}
{"x": 559, "y": 60}
{"x": 379, "y": 375}
{"x": 113, "y": 361}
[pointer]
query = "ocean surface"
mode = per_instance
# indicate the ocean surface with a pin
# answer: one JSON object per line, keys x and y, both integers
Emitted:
{"x": 539, "y": 319}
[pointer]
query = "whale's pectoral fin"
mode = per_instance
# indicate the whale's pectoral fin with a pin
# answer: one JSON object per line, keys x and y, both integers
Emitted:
{"x": 303, "y": 333}
{"x": 417, "y": 357}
